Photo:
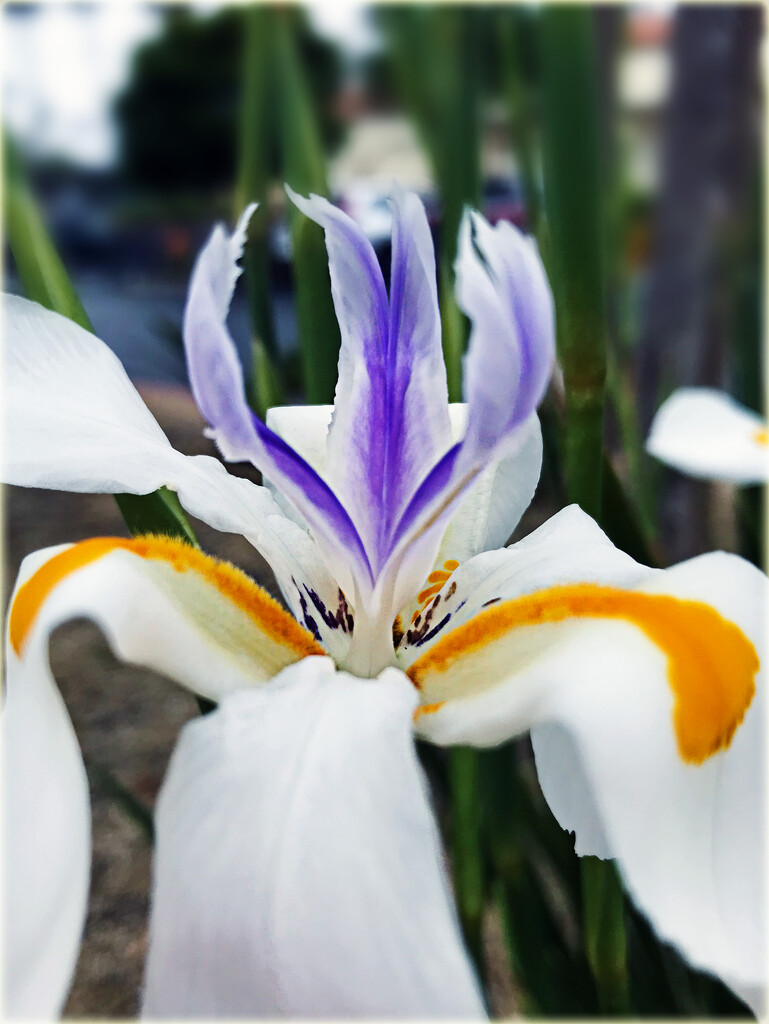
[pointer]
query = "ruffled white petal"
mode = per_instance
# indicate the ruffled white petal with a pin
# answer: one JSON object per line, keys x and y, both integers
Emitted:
{"x": 46, "y": 839}
{"x": 648, "y": 775}
{"x": 690, "y": 840}
{"x": 72, "y": 418}
{"x": 164, "y": 606}
{"x": 298, "y": 865}
{"x": 705, "y": 433}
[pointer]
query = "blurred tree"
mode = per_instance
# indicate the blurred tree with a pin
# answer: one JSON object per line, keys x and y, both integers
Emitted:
{"x": 178, "y": 116}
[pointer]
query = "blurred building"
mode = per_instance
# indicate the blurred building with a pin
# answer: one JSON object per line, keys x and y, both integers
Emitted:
{"x": 643, "y": 86}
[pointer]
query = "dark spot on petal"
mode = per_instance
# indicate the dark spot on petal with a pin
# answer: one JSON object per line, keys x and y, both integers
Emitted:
{"x": 492, "y": 601}
{"x": 434, "y": 630}
{"x": 309, "y": 621}
{"x": 341, "y": 619}
{"x": 397, "y": 630}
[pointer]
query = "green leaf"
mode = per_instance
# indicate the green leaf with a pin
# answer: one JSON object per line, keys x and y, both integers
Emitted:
{"x": 42, "y": 273}
{"x": 305, "y": 170}
{"x": 265, "y": 389}
{"x": 604, "y": 924}
{"x": 159, "y": 512}
{"x": 467, "y": 861}
{"x": 576, "y": 240}
{"x": 255, "y": 143}
{"x": 436, "y": 54}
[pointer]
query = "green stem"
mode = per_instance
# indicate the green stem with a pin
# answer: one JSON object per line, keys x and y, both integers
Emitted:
{"x": 604, "y": 924}
{"x": 254, "y": 146}
{"x": 466, "y": 851}
{"x": 305, "y": 170}
{"x": 573, "y": 189}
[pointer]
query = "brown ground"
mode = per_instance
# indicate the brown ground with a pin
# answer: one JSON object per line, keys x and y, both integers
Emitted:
{"x": 127, "y": 721}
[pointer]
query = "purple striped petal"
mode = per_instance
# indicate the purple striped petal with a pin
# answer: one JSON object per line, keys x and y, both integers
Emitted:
{"x": 216, "y": 379}
{"x": 357, "y": 439}
{"x": 419, "y": 427}
{"x": 501, "y": 285}
{"x": 390, "y": 418}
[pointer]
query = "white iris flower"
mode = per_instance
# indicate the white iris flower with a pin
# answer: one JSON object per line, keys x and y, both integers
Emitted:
{"x": 298, "y": 865}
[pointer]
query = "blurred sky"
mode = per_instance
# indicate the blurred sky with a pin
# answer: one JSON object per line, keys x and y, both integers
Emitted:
{"x": 63, "y": 63}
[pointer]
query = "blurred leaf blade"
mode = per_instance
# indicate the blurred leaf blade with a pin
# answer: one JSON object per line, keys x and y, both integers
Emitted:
{"x": 255, "y": 141}
{"x": 435, "y": 57}
{"x": 40, "y": 268}
{"x": 266, "y": 390}
{"x": 305, "y": 170}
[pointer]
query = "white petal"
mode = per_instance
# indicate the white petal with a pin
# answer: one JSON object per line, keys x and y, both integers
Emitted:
{"x": 74, "y": 421}
{"x": 569, "y": 548}
{"x": 495, "y": 504}
{"x": 705, "y": 433}
{"x": 653, "y": 690}
{"x": 689, "y": 839}
{"x": 235, "y": 505}
{"x": 305, "y": 428}
{"x": 162, "y": 605}
{"x": 72, "y": 418}
{"x": 298, "y": 865}
{"x": 46, "y": 839}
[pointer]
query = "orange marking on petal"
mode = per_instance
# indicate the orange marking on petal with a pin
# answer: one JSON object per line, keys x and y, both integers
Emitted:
{"x": 427, "y": 709}
{"x": 232, "y": 583}
{"x": 33, "y": 593}
{"x": 451, "y": 565}
{"x": 438, "y": 576}
{"x": 761, "y": 436}
{"x": 711, "y": 664}
{"x": 423, "y": 595}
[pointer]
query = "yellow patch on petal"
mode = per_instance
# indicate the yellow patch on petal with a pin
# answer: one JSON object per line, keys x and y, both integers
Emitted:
{"x": 761, "y": 436}
{"x": 230, "y": 583}
{"x": 427, "y": 709}
{"x": 711, "y": 664}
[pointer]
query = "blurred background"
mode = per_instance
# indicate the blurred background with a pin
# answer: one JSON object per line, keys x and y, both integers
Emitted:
{"x": 131, "y": 127}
